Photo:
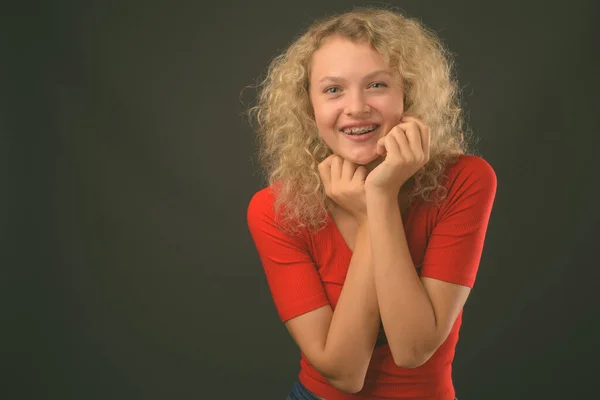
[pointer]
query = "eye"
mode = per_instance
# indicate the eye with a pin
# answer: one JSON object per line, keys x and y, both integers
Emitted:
{"x": 331, "y": 90}
{"x": 378, "y": 85}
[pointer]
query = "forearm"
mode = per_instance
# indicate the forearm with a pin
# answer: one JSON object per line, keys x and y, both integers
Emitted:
{"x": 406, "y": 311}
{"x": 355, "y": 322}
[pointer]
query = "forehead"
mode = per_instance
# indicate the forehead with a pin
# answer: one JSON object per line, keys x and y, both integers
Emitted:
{"x": 340, "y": 56}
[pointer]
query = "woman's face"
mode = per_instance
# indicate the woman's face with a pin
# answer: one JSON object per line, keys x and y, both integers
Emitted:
{"x": 355, "y": 97}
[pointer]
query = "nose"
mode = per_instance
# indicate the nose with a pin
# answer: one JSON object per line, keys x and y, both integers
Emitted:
{"x": 356, "y": 105}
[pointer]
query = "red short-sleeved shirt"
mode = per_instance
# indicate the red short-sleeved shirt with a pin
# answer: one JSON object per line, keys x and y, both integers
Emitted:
{"x": 307, "y": 271}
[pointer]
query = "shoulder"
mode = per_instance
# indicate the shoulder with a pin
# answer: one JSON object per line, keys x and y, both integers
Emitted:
{"x": 265, "y": 222}
{"x": 470, "y": 170}
{"x": 470, "y": 184}
{"x": 471, "y": 165}
{"x": 262, "y": 203}
{"x": 262, "y": 197}
{"x": 262, "y": 209}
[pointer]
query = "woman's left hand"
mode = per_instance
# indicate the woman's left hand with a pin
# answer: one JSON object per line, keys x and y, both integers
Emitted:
{"x": 406, "y": 150}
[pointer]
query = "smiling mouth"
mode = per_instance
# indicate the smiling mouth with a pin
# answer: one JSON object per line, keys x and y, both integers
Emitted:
{"x": 357, "y": 131}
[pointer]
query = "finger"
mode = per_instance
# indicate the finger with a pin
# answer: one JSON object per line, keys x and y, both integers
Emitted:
{"x": 325, "y": 172}
{"x": 381, "y": 147}
{"x": 326, "y": 163}
{"x": 426, "y": 141}
{"x": 360, "y": 174}
{"x": 336, "y": 169}
{"x": 425, "y": 132}
{"x": 414, "y": 148}
{"x": 415, "y": 120}
{"x": 348, "y": 168}
{"x": 391, "y": 143}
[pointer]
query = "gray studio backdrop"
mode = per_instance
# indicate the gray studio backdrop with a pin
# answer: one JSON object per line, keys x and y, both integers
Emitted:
{"x": 128, "y": 270}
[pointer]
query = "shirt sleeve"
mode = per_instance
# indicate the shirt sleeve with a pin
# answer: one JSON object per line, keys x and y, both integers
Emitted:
{"x": 291, "y": 274}
{"x": 456, "y": 243}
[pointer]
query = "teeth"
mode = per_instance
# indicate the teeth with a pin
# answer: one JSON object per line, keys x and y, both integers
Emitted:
{"x": 359, "y": 130}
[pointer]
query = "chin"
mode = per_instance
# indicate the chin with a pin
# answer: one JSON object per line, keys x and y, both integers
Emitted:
{"x": 361, "y": 159}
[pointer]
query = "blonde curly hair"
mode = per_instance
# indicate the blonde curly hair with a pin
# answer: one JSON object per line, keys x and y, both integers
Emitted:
{"x": 290, "y": 148}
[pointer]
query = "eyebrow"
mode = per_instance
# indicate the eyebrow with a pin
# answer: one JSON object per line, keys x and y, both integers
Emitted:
{"x": 368, "y": 76}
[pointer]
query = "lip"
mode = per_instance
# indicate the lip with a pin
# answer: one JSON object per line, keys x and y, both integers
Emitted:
{"x": 359, "y": 125}
{"x": 362, "y": 138}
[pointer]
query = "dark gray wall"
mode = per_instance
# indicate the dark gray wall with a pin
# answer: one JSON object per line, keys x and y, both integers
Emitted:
{"x": 128, "y": 271}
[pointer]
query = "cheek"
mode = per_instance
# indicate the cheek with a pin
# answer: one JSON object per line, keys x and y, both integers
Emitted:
{"x": 392, "y": 112}
{"x": 325, "y": 117}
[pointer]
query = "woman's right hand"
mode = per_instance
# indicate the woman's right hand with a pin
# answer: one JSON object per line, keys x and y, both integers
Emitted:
{"x": 344, "y": 183}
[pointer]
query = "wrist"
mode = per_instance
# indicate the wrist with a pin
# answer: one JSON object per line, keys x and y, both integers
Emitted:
{"x": 381, "y": 195}
{"x": 381, "y": 206}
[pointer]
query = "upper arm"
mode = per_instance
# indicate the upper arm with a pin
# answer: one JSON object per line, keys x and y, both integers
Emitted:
{"x": 292, "y": 276}
{"x": 294, "y": 282}
{"x": 455, "y": 246}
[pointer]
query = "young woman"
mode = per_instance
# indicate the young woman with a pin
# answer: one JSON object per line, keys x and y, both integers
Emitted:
{"x": 372, "y": 226}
